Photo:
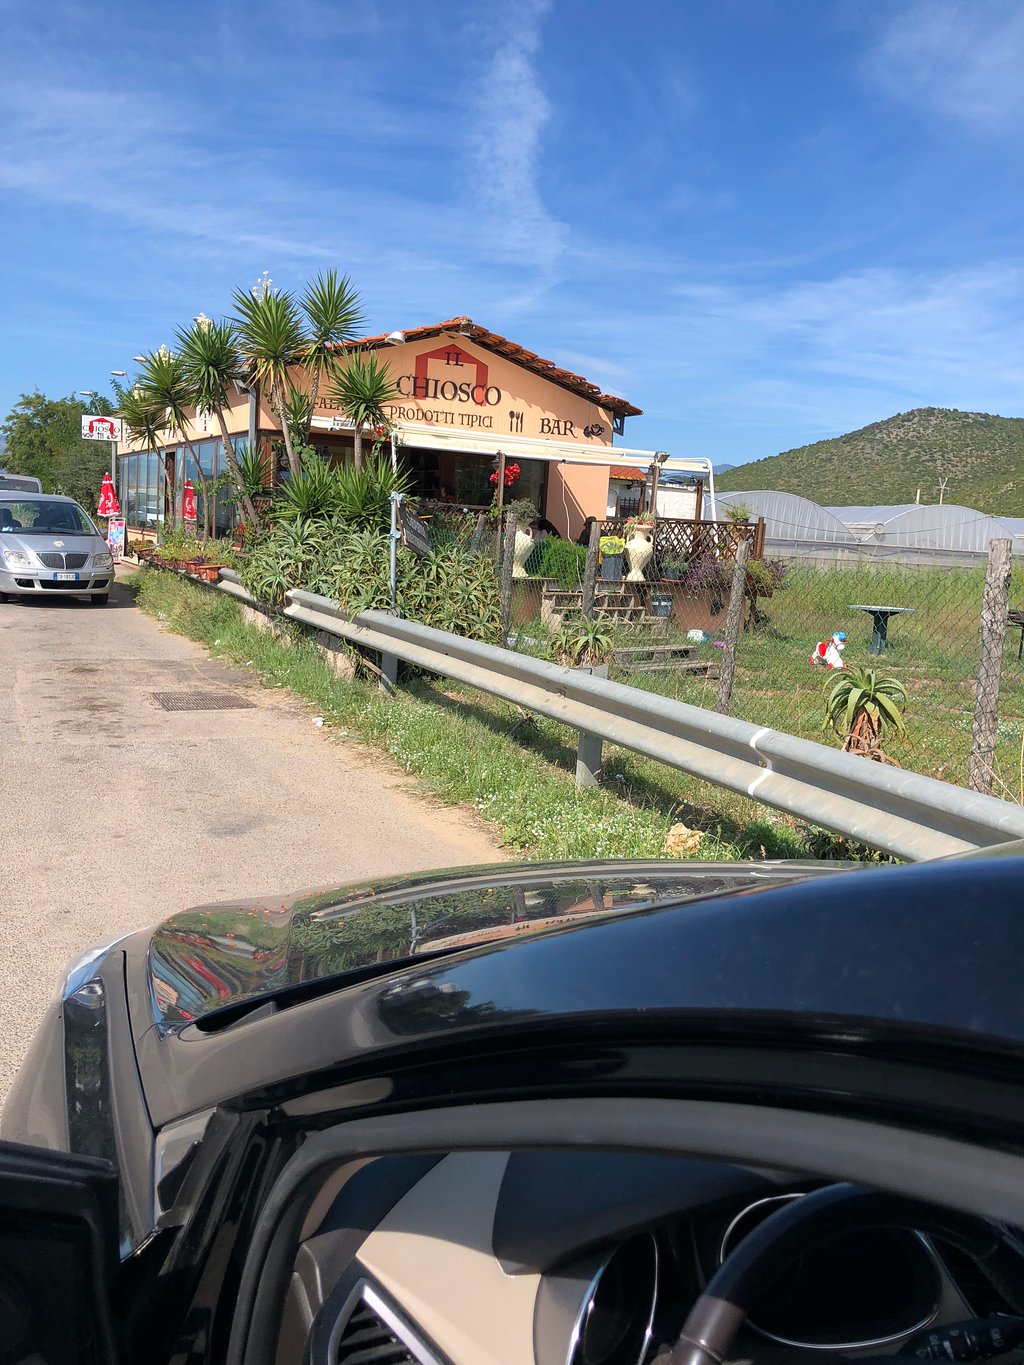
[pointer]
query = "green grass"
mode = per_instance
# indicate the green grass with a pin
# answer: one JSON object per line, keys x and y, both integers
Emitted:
{"x": 933, "y": 652}
{"x": 517, "y": 771}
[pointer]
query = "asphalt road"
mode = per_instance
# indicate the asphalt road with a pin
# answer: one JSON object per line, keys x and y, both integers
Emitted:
{"x": 115, "y": 812}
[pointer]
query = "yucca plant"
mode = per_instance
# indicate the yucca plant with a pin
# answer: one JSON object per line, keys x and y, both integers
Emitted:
{"x": 272, "y": 341}
{"x": 210, "y": 364}
{"x": 334, "y": 315}
{"x": 362, "y": 386}
{"x": 145, "y": 418}
{"x": 861, "y": 706}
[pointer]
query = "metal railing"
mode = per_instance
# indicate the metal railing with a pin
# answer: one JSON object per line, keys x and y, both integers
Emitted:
{"x": 902, "y": 813}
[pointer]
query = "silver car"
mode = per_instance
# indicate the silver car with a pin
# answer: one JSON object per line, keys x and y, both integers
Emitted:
{"x": 49, "y": 545}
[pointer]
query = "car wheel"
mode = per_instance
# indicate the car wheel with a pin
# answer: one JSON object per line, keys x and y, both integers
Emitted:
{"x": 3, "y": 598}
{"x": 99, "y": 599}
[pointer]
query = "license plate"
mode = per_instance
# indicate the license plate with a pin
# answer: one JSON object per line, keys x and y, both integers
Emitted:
{"x": 65, "y": 578}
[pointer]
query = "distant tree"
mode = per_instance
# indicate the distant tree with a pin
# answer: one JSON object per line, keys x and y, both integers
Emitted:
{"x": 43, "y": 439}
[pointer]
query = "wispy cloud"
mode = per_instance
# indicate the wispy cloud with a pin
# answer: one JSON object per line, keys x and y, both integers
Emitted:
{"x": 508, "y": 115}
{"x": 959, "y": 58}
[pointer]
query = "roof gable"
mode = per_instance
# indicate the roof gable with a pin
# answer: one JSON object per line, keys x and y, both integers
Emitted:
{"x": 468, "y": 330}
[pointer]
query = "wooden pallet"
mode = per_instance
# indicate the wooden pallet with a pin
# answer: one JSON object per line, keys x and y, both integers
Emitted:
{"x": 664, "y": 659}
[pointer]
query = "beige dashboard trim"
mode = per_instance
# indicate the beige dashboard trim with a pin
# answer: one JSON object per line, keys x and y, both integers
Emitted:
{"x": 433, "y": 1253}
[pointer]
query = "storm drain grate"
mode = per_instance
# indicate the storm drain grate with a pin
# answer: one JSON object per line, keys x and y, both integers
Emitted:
{"x": 201, "y": 701}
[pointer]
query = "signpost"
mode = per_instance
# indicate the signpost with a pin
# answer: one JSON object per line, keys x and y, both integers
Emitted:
{"x": 115, "y": 538}
{"x": 415, "y": 535}
{"x": 100, "y": 428}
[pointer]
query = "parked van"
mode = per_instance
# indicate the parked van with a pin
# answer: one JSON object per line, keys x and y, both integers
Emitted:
{"x": 20, "y": 483}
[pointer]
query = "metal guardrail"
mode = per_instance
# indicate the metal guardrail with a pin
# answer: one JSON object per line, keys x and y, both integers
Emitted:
{"x": 902, "y": 813}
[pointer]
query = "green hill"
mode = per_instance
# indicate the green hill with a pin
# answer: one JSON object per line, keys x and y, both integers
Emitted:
{"x": 980, "y": 456}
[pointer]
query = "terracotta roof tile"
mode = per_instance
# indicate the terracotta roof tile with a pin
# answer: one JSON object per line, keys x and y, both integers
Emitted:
{"x": 500, "y": 345}
{"x": 623, "y": 471}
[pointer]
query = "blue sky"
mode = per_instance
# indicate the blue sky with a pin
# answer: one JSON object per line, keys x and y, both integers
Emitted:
{"x": 762, "y": 221}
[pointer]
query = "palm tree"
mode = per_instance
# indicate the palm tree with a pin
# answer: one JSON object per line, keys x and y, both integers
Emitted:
{"x": 146, "y": 420}
{"x": 272, "y": 341}
{"x": 210, "y": 364}
{"x": 334, "y": 315}
{"x": 362, "y": 387}
{"x": 162, "y": 379}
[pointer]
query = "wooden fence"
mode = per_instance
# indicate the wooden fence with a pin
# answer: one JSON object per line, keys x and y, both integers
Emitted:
{"x": 684, "y": 542}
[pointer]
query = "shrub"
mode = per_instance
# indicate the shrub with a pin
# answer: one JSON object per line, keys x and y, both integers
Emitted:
{"x": 583, "y": 643}
{"x": 451, "y": 590}
{"x": 558, "y": 559}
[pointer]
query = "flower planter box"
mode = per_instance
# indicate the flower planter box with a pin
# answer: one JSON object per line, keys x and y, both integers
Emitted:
{"x": 209, "y": 573}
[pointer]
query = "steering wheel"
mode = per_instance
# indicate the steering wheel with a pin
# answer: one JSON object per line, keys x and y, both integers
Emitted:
{"x": 711, "y": 1327}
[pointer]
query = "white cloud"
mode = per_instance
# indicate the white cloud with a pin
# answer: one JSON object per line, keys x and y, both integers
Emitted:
{"x": 959, "y": 58}
{"x": 508, "y": 116}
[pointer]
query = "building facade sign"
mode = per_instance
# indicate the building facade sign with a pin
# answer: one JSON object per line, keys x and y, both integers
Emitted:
{"x": 466, "y": 389}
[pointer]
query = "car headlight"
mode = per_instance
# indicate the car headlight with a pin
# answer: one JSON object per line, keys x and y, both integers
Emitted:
{"x": 103, "y": 560}
{"x": 19, "y": 559}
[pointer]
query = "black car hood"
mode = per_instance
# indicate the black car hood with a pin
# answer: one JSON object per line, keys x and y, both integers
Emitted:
{"x": 222, "y": 956}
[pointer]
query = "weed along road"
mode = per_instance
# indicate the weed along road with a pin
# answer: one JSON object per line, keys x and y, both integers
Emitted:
{"x": 117, "y": 811}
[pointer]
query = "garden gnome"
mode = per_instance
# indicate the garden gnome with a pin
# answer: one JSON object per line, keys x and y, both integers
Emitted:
{"x": 830, "y": 652}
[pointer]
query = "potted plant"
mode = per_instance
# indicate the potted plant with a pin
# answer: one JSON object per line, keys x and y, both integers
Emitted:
{"x": 584, "y": 643}
{"x": 611, "y": 548}
{"x": 639, "y": 545}
{"x": 674, "y": 569}
{"x": 525, "y": 514}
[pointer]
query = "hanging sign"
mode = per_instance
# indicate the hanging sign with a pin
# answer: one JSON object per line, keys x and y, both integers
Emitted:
{"x": 115, "y": 538}
{"x": 100, "y": 428}
{"x": 414, "y": 531}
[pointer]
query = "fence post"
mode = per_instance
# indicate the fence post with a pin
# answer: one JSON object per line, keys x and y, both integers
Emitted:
{"x": 478, "y": 534}
{"x": 508, "y": 561}
{"x": 590, "y": 570}
{"x": 994, "y": 606}
{"x": 737, "y": 597}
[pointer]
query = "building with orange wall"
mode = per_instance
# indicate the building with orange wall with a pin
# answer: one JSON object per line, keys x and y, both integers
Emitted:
{"x": 465, "y": 395}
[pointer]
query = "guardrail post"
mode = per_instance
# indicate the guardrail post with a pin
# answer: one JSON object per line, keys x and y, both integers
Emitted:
{"x": 994, "y": 606}
{"x": 737, "y": 597}
{"x": 588, "y": 760}
{"x": 388, "y": 671}
{"x": 590, "y": 750}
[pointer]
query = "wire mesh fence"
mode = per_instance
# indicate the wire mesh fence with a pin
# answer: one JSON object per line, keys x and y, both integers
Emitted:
{"x": 667, "y": 633}
{"x": 919, "y": 625}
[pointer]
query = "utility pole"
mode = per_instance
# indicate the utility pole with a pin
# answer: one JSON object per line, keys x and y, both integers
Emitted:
{"x": 942, "y": 489}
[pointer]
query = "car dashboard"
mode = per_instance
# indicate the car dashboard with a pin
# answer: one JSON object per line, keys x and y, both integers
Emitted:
{"x": 595, "y": 1258}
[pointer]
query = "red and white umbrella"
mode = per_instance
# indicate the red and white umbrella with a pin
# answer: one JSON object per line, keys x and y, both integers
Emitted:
{"x": 108, "y": 505}
{"x": 188, "y": 502}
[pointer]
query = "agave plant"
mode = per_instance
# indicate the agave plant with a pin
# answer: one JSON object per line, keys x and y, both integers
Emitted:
{"x": 861, "y": 706}
{"x": 584, "y": 643}
{"x": 362, "y": 495}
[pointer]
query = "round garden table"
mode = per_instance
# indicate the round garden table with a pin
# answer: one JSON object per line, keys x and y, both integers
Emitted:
{"x": 880, "y": 623}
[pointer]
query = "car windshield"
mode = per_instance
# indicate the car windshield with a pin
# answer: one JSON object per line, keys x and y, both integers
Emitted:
{"x": 44, "y": 517}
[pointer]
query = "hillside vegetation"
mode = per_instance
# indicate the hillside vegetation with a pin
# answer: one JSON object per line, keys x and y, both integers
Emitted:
{"x": 980, "y": 456}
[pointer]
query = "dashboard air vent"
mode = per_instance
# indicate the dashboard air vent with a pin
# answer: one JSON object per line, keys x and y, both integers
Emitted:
{"x": 372, "y": 1334}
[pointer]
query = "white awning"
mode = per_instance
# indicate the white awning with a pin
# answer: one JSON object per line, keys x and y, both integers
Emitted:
{"x": 524, "y": 448}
